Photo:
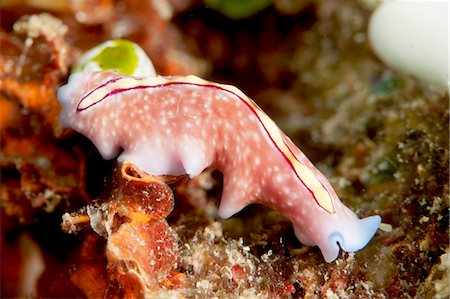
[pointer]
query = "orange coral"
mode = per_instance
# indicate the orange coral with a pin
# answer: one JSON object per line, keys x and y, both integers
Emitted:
{"x": 9, "y": 113}
{"x": 48, "y": 174}
{"x": 32, "y": 62}
{"x": 32, "y": 95}
{"x": 141, "y": 250}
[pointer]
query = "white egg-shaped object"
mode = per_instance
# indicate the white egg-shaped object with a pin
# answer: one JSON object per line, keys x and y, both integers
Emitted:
{"x": 412, "y": 36}
{"x": 119, "y": 55}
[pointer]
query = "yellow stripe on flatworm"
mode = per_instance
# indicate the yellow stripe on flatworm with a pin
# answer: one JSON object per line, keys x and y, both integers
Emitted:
{"x": 304, "y": 173}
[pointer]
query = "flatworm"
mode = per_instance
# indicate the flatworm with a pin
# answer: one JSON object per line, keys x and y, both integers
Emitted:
{"x": 181, "y": 125}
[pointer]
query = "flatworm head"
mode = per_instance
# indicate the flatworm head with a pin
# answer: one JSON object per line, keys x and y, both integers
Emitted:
{"x": 90, "y": 100}
{"x": 88, "y": 124}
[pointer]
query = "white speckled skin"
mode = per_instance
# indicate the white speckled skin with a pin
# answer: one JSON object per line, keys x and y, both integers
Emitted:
{"x": 181, "y": 125}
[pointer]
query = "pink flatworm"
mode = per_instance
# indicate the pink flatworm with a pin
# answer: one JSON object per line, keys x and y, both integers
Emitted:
{"x": 182, "y": 125}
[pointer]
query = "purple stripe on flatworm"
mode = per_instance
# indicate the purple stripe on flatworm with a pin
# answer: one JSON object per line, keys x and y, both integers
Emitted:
{"x": 119, "y": 90}
{"x": 97, "y": 88}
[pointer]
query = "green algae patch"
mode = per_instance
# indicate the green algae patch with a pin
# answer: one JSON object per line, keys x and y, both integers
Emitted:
{"x": 236, "y": 9}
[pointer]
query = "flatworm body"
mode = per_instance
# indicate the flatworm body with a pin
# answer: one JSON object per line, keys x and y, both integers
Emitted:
{"x": 182, "y": 125}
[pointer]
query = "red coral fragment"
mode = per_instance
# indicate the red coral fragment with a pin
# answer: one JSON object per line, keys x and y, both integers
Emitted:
{"x": 239, "y": 274}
